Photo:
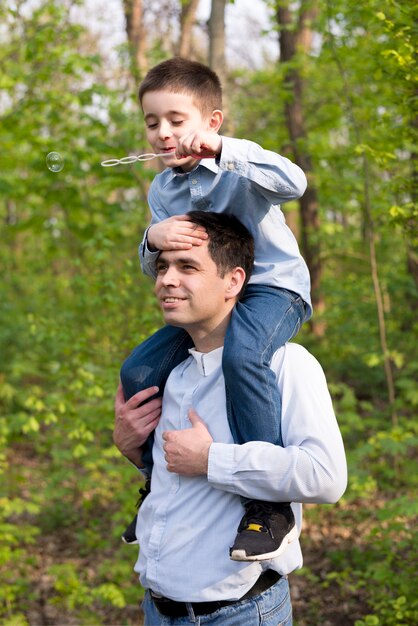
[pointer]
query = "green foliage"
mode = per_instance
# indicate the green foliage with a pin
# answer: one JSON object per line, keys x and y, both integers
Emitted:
{"x": 73, "y": 304}
{"x": 380, "y": 559}
{"x": 72, "y": 307}
{"x": 73, "y": 593}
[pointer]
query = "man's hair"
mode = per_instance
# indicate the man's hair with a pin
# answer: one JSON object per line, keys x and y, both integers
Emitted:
{"x": 180, "y": 75}
{"x": 230, "y": 243}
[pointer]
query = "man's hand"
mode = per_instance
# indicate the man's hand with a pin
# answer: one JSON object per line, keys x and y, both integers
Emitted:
{"x": 187, "y": 451}
{"x": 200, "y": 143}
{"x": 175, "y": 233}
{"x": 134, "y": 423}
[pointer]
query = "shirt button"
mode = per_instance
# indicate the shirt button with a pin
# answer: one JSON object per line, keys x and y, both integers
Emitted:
{"x": 230, "y": 166}
{"x": 194, "y": 181}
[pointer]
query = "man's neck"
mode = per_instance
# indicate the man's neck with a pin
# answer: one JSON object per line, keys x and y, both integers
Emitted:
{"x": 207, "y": 340}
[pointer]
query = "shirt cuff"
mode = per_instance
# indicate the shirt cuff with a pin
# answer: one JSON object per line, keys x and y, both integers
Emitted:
{"x": 145, "y": 247}
{"x": 147, "y": 258}
{"x": 220, "y": 466}
{"x": 234, "y": 155}
{"x": 142, "y": 470}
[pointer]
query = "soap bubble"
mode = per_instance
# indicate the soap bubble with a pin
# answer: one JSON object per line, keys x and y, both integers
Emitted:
{"x": 54, "y": 162}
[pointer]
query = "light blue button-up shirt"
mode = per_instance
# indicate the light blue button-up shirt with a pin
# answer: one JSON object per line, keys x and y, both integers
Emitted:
{"x": 250, "y": 183}
{"x": 187, "y": 524}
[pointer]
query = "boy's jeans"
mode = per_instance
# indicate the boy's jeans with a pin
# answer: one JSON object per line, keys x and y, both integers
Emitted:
{"x": 271, "y": 608}
{"x": 262, "y": 321}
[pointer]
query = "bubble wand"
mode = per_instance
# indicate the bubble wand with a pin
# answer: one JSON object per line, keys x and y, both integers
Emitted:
{"x": 148, "y": 156}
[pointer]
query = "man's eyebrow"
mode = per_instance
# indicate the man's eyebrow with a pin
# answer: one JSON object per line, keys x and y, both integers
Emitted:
{"x": 188, "y": 260}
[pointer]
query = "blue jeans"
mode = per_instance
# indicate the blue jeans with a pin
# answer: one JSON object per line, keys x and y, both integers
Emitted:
{"x": 262, "y": 321}
{"x": 150, "y": 364}
{"x": 271, "y": 608}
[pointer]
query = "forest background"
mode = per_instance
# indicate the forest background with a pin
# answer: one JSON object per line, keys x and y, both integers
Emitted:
{"x": 333, "y": 85}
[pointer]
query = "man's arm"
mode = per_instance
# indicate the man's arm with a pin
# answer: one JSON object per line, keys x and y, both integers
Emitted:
{"x": 134, "y": 423}
{"x": 310, "y": 468}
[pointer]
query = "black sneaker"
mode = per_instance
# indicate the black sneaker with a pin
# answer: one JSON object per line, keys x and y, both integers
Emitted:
{"x": 129, "y": 536}
{"x": 264, "y": 531}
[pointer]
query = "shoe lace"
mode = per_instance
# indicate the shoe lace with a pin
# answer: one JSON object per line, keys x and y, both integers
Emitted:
{"x": 259, "y": 513}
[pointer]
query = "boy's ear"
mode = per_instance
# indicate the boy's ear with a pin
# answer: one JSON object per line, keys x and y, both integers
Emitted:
{"x": 216, "y": 120}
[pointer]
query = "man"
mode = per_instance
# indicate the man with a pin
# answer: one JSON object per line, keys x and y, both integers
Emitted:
{"x": 186, "y": 523}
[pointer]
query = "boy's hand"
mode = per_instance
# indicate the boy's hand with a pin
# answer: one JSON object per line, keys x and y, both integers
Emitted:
{"x": 175, "y": 233}
{"x": 200, "y": 143}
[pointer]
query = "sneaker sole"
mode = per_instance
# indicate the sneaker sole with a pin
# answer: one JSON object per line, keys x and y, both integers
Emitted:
{"x": 241, "y": 555}
{"x": 129, "y": 543}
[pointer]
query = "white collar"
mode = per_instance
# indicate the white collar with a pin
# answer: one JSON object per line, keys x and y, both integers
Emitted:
{"x": 207, "y": 362}
{"x": 210, "y": 164}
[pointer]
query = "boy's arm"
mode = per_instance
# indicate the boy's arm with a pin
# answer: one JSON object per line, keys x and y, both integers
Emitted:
{"x": 274, "y": 176}
{"x": 147, "y": 257}
{"x": 173, "y": 233}
{"x": 165, "y": 233}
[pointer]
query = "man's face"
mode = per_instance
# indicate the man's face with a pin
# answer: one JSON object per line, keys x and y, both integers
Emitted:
{"x": 190, "y": 291}
{"x": 168, "y": 116}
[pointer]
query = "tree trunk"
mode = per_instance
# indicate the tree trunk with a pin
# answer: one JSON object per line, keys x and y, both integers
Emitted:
{"x": 135, "y": 31}
{"x": 187, "y": 19}
{"x": 412, "y": 265}
{"x": 216, "y": 25}
{"x": 295, "y": 36}
{"x": 217, "y": 56}
{"x": 412, "y": 225}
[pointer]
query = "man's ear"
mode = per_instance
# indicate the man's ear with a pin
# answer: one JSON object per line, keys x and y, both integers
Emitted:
{"x": 236, "y": 279}
{"x": 216, "y": 120}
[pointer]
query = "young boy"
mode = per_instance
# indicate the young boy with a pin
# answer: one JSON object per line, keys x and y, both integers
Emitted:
{"x": 182, "y": 105}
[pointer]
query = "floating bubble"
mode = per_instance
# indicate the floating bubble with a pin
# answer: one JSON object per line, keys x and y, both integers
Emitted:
{"x": 54, "y": 161}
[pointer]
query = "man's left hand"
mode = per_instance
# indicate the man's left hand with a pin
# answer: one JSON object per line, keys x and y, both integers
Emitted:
{"x": 187, "y": 451}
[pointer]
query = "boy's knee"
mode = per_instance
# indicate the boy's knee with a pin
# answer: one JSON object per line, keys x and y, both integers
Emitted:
{"x": 134, "y": 374}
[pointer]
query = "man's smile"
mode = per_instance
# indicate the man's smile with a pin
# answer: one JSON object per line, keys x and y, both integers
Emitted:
{"x": 171, "y": 302}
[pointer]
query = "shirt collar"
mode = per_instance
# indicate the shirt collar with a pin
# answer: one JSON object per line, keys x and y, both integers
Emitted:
{"x": 209, "y": 164}
{"x": 207, "y": 362}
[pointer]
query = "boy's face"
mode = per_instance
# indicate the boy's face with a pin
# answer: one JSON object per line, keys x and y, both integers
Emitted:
{"x": 168, "y": 117}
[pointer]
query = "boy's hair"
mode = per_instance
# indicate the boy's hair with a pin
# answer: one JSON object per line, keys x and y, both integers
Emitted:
{"x": 230, "y": 244}
{"x": 181, "y": 75}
